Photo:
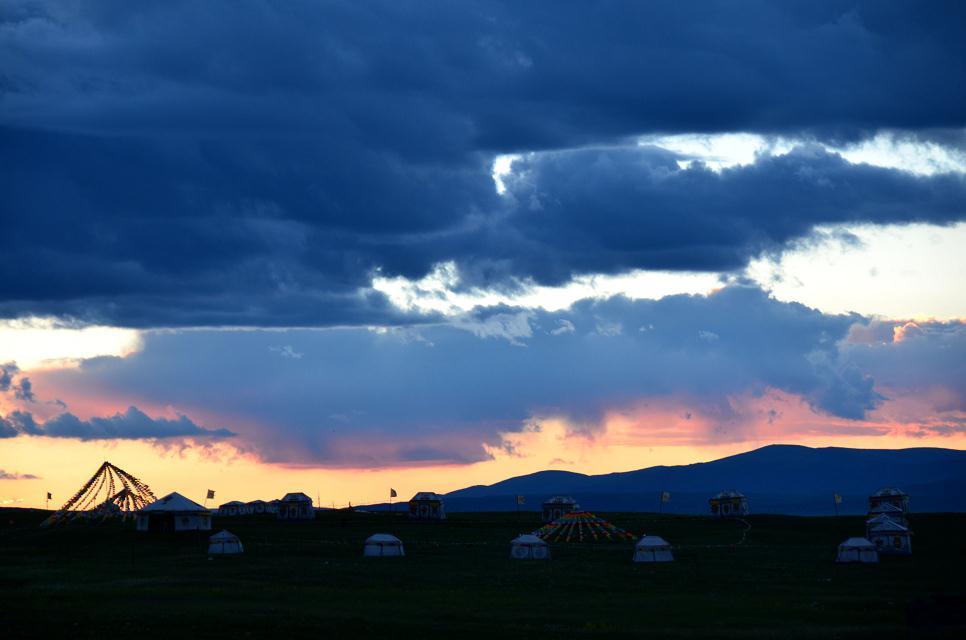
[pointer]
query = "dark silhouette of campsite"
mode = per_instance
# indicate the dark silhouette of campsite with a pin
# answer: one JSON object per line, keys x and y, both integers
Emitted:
{"x": 119, "y": 559}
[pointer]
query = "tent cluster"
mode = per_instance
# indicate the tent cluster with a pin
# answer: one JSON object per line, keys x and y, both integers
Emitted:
{"x": 581, "y": 526}
{"x": 886, "y": 530}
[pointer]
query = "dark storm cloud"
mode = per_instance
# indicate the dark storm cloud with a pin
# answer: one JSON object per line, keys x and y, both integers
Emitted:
{"x": 179, "y": 164}
{"x": 131, "y": 425}
{"x": 376, "y": 398}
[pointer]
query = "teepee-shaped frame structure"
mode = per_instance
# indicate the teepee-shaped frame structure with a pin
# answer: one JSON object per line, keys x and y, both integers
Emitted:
{"x": 581, "y": 526}
{"x": 111, "y": 491}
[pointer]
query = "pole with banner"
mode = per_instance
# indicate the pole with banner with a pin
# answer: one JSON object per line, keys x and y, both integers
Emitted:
{"x": 209, "y": 496}
{"x": 392, "y": 494}
{"x": 520, "y": 500}
{"x": 837, "y": 500}
{"x": 665, "y": 497}
{"x": 47, "y": 504}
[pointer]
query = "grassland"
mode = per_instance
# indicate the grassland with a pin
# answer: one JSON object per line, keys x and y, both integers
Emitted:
{"x": 310, "y": 579}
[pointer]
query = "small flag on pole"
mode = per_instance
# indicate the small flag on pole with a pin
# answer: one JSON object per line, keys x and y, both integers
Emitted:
{"x": 521, "y": 500}
{"x": 211, "y": 494}
{"x": 665, "y": 496}
{"x": 49, "y": 497}
{"x": 392, "y": 493}
{"x": 838, "y": 498}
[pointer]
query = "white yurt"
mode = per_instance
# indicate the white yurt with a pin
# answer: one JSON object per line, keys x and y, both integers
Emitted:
{"x": 224, "y": 543}
{"x": 529, "y": 547}
{"x": 653, "y": 549}
{"x": 174, "y": 512}
{"x": 383, "y": 545}
{"x": 889, "y": 537}
{"x": 857, "y": 550}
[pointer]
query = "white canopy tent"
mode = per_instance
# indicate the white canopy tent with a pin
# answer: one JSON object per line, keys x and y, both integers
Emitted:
{"x": 653, "y": 549}
{"x": 529, "y": 547}
{"x": 857, "y": 550}
{"x": 224, "y": 543}
{"x": 383, "y": 545}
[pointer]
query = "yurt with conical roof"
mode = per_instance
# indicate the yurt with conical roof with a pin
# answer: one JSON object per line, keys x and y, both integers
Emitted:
{"x": 427, "y": 505}
{"x": 383, "y": 545}
{"x": 529, "y": 547}
{"x": 653, "y": 549}
{"x": 888, "y": 536}
{"x": 889, "y": 495}
{"x": 857, "y": 550}
{"x": 173, "y": 512}
{"x": 728, "y": 504}
{"x": 295, "y": 506}
{"x": 224, "y": 543}
{"x": 558, "y": 506}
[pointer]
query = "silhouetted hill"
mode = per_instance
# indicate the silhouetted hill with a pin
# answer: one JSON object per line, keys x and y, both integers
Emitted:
{"x": 777, "y": 479}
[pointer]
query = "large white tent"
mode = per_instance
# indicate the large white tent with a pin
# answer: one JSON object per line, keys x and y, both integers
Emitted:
{"x": 653, "y": 549}
{"x": 174, "y": 512}
{"x": 224, "y": 543}
{"x": 383, "y": 545}
{"x": 529, "y": 547}
{"x": 857, "y": 550}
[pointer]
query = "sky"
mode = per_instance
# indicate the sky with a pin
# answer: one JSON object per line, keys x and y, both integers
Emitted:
{"x": 345, "y": 247}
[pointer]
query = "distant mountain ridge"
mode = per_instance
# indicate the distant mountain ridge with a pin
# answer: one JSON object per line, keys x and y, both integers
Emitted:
{"x": 791, "y": 479}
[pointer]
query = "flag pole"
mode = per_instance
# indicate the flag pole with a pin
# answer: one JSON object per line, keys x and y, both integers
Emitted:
{"x": 660, "y": 502}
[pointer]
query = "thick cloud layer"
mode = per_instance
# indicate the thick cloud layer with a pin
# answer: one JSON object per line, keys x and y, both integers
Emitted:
{"x": 133, "y": 424}
{"x": 439, "y": 393}
{"x": 181, "y": 164}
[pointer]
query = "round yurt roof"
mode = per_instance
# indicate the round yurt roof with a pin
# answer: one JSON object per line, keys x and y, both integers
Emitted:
{"x": 528, "y": 538}
{"x": 653, "y": 541}
{"x": 174, "y": 503}
{"x": 885, "y": 507}
{"x": 729, "y": 493}
{"x": 886, "y": 524}
{"x": 224, "y": 536}
{"x": 383, "y": 538}
{"x": 889, "y": 491}
{"x": 427, "y": 495}
{"x": 862, "y": 543}
{"x": 296, "y": 496}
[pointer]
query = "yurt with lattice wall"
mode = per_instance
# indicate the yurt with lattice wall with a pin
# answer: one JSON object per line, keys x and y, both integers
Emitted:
{"x": 427, "y": 505}
{"x": 857, "y": 550}
{"x": 888, "y": 536}
{"x": 173, "y": 512}
{"x": 224, "y": 543}
{"x": 383, "y": 545}
{"x": 558, "y": 506}
{"x": 529, "y": 547}
{"x": 653, "y": 549}
{"x": 295, "y": 506}
{"x": 727, "y": 504}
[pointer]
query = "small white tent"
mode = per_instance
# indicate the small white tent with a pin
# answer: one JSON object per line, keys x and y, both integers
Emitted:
{"x": 857, "y": 550}
{"x": 529, "y": 547}
{"x": 223, "y": 543}
{"x": 383, "y": 545}
{"x": 653, "y": 549}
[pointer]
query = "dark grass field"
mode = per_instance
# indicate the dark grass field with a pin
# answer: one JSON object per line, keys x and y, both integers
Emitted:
{"x": 310, "y": 579}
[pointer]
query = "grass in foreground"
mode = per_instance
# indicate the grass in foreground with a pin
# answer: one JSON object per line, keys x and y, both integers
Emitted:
{"x": 90, "y": 581}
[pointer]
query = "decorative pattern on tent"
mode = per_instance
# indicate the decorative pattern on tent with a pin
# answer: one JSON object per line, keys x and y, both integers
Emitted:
{"x": 111, "y": 491}
{"x": 581, "y": 526}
